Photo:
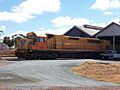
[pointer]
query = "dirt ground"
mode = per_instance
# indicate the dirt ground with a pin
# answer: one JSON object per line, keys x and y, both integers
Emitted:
{"x": 109, "y": 72}
{"x": 38, "y": 74}
{"x": 3, "y": 60}
{"x": 61, "y": 88}
{"x": 2, "y": 63}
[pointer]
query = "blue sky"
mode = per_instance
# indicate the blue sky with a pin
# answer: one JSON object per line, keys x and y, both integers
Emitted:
{"x": 55, "y": 16}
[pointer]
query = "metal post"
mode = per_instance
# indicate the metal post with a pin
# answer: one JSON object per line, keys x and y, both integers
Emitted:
{"x": 113, "y": 43}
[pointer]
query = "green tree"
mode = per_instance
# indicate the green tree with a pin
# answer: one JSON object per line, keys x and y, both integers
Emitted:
{"x": 17, "y": 37}
{"x": 8, "y": 41}
{"x": 1, "y": 33}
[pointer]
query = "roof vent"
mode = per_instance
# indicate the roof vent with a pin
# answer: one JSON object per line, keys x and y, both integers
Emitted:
{"x": 93, "y": 27}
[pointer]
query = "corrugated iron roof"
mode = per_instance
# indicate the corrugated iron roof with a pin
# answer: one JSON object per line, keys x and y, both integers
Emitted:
{"x": 111, "y": 33}
{"x": 89, "y": 31}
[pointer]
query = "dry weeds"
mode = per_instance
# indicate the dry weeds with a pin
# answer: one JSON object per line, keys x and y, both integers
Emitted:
{"x": 109, "y": 72}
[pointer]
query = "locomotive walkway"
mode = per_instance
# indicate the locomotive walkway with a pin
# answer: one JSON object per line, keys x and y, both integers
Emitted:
{"x": 45, "y": 73}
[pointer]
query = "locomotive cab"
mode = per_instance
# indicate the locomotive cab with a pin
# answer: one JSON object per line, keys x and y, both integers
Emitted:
{"x": 40, "y": 43}
{"x": 37, "y": 42}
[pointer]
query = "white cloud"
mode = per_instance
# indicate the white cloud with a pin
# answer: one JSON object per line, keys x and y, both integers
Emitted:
{"x": 16, "y": 17}
{"x": 58, "y": 31}
{"x": 108, "y": 13}
{"x": 101, "y": 4}
{"x": 106, "y": 4}
{"x": 100, "y": 24}
{"x": 2, "y": 27}
{"x": 17, "y": 32}
{"x": 11, "y": 34}
{"x": 41, "y": 32}
{"x": 116, "y": 20}
{"x": 28, "y": 9}
{"x": 115, "y": 4}
{"x": 63, "y": 21}
{"x": 38, "y": 6}
{"x": 68, "y": 21}
{"x": 63, "y": 24}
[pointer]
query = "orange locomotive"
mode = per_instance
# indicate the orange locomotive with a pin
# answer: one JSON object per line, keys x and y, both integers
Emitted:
{"x": 59, "y": 46}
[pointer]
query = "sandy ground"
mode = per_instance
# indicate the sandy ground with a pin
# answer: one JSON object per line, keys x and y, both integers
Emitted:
{"x": 47, "y": 75}
{"x": 109, "y": 72}
{"x": 62, "y": 88}
{"x": 3, "y": 63}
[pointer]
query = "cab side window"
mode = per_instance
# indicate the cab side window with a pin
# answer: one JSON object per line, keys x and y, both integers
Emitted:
{"x": 41, "y": 40}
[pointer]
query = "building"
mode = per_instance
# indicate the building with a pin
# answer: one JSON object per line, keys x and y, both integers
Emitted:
{"x": 3, "y": 47}
{"x": 112, "y": 33}
{"x": 77, "y": 31}
{"x": 83, "y": 31}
